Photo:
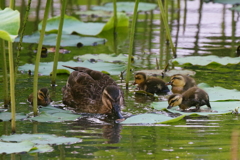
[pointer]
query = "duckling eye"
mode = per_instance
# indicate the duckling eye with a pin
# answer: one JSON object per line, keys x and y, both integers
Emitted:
{"x": 177, "y": 78}
{"x": 137, "y": 78}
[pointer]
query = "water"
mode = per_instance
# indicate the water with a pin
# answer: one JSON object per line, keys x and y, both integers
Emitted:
{"x": 207, "y": 29}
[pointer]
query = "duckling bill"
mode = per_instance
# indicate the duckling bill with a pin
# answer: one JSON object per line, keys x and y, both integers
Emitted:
{"x": 151, "y": 84}
{"x": 91, "y": 91}
{"x": 192, "y": 97}
{"x": 181, "y": 83}
{"x": 43, "y": 97}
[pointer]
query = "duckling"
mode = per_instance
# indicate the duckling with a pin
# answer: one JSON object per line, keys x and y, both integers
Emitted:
{"x": 192, "y": 97}
{"x": 238, "y": 51}
{"x": 43, "y": 97}
{"x": 181, "y": 83}
{"x": 92, "y": 91}
{"x": 151, "y": 84}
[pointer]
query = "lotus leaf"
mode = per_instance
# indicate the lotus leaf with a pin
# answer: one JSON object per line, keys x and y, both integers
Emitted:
{"x": 126, "y": 6}
{"x": 227, "y": 2}
{"x": 42, "y": 139}
{"x": 237, "y": 8}
{"x": 217, "y": 108}
{"x": 9, "y": 148}
{"x": 45, "y": 68}
{"x": 67, "y": 40}
{"x": 6, "y": 116}
{"x": 10, "y": 24}
{"x": 205, "y": 60}
{"x": 151, "y": 118}
{"x": 71, "y": 24}
{"x": 41, "y": 148}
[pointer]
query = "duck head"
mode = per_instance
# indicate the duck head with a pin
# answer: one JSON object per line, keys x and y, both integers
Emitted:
{"x": 43, "y": 97}
{"x": 174, "y": 100}
{"x": 177, "y": 80}
{"x": 112, "y": 99}
{"x": 140, "y": 77}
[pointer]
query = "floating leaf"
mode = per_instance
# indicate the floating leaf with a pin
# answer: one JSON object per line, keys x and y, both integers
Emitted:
{"x": 205, "y": 60}
{"x": 10, "y": 24}
{"x": 9, "y": 148}
{"x": 226, "y": 2}
{"x": 219, "y": 93}
{"x": 126, "y": 6}
{"x": 104, "y": 57}
{"x": 45, "y": 68}
{"x": 53, "y": 114}
{"x": 6, "y": 116}
{"x": 71, "y": 24}
{"x": 122, "y": 21}
{"x": 41, "y": 148}
{"x": 42, "y": 139}
{"x": 95, "y": 13}
{"x": 226, "y": 107}
{"x": 67, "y": 40}
{"x": 237, "y": 8}
{"x": 151, "y": 118}
{"x": 159, "y": 72}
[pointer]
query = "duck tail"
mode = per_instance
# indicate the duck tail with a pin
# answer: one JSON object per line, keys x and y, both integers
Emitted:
{"x": 74, "y": 68}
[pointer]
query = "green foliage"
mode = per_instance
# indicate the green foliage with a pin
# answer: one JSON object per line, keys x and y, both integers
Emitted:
{"x": 46, "y": 68}
{"x": 71, "y": 24}
{"x": 10, "y": 24}
{"x": 66, "y": 40}
{"x": 206, "y": 60}
{"x": 126, "y": 6}
{"x": 8, "y": 148}
{"x": 151, "y": 118}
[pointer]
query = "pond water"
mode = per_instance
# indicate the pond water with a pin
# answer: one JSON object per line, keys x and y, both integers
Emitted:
{"x": 202, "y": 29}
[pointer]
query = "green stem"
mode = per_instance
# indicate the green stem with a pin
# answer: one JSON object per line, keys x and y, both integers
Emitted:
{"x": 59, "y": 37}
{"x": 5, "y": 75}
{"x": 131, "y": 42}
{"x": 12, "y": 4}
{"x": 115, "y": 26}
{"x": 12, "y": 86}
{"x": 35, "y": 79}
{"x": 167, "y": 28}
{"x": 21, "y": 36}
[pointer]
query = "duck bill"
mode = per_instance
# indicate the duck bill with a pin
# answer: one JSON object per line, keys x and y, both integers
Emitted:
{"x": 168, "y": 83}
{"x": 116, "y": 111}
{"x": 169, "y": 107}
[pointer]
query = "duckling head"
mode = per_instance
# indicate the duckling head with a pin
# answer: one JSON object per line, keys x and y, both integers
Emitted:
{"x": 174, "y": 100}
{"x": 112, "y": 98}
{"x": 177, "y": 80}
{"x": 43, "y": 96}
{"x": 140, "y": 77}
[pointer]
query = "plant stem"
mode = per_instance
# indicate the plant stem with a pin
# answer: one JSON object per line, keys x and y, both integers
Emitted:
{"x": 12, "y": 87}
{"x": 5, "y": 75}
{"x": 132, "y": 34}
{"x": 167, "y": 28}
{"x": 59, "y": 37}
{"x": 35, "y": 79}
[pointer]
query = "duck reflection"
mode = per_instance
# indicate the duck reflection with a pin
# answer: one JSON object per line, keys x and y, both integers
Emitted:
{"x": 100, "y": 126}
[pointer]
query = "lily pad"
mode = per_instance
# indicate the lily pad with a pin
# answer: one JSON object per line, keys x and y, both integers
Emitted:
{"x": 6, "y": 116}
{"x": 42, "y": 139}
{"x": 104, "y": 57}
{"x": 159, "y": 72}
{"x": 205, "y": 60}
{"x": 126, "y": 6}
{"x": 45, "y": 68}
{"x": 237, "y": 8}
{"x": 10, "y": 24}
{"x": 151, "y": 118}
{"x": 41, "y": 148}
{"x": 226, "y": 107}
{"x": 8, "y": 148}
{"x": 67, "y": 40}
{"x": 95, "y": 13}
{"x": 226, "y": 2}
{"x": 72, "y": 24}
{"x": 53, "y": 114}
{"x": 219, "y": 93}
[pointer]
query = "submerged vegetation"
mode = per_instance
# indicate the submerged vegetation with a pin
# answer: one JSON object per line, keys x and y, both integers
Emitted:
{"x": 115, "y": 28}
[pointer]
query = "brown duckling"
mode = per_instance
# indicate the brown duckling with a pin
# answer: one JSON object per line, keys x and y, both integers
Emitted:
{"x": 181, "y": 83}
{"x": 43, "y": 97}
{"x": 192, "y": 97}
{"x": 151, "y": 84}
{"x": 92, "y": 91}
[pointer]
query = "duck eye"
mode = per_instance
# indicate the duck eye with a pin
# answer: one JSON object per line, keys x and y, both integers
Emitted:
{"x": 137, "y": 78}
{"x": 177, "y": 78}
